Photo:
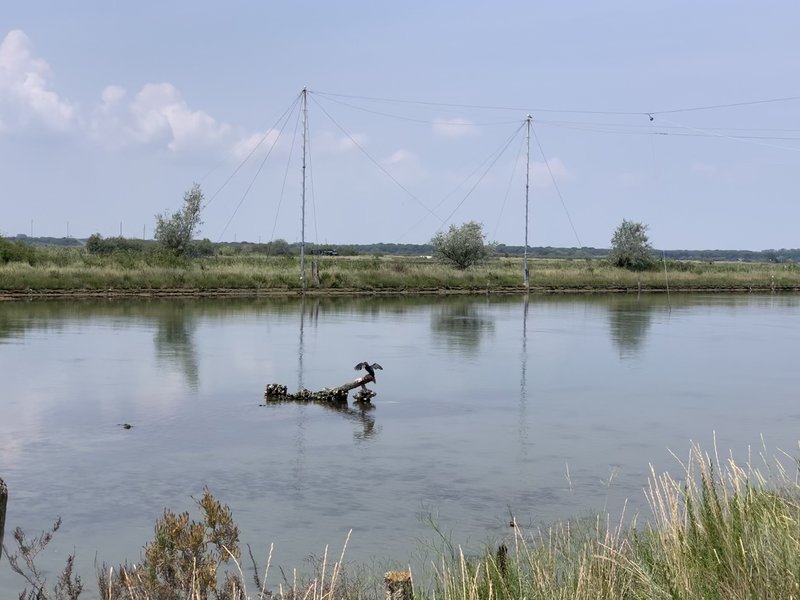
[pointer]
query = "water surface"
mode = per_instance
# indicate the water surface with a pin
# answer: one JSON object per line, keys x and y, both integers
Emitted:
{"x": 487, "y": 407}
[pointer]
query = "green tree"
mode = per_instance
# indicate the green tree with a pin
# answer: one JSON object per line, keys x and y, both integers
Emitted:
{"x": 279, "y": 247}
{"x": 176, "y": 232}
{"x": 630, "y": 248}
{"x": 462, "y": 246}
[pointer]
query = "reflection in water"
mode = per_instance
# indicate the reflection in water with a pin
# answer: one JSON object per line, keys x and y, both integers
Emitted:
{"x": 360, "y": 413}
{"x": 461, "y": 326}
{"x": 300, "y": 434}
{"x": 629, "y": 321}
{"x": 175, "y": 340}
{"x": 523, "y": 382}
{"x": 313, "y": 314}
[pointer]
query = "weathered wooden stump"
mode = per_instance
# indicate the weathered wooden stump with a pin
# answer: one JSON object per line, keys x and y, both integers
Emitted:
{"x": 3, "y": 504}
{"x": 502, "y": 560}
{"x": 398, "y": 585}
{"x": 364, "y": 395}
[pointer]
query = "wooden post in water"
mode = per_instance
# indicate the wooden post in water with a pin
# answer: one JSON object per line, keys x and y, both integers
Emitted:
{"x": 3, "y": 503}
{"x": 398, "y": 585}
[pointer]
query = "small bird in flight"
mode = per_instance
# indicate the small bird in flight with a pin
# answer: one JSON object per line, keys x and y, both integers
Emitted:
{"x": 370, "y": 368}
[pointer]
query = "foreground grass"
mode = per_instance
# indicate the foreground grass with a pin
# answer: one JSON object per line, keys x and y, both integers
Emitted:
{"x": 74, "y": 270}
{"x": 712, "y": 535}
{"x": 722, "y": 531}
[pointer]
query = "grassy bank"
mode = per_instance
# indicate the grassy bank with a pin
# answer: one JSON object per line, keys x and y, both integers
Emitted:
{"x": 71, "y": 270}
{"x": 722, "y": 531}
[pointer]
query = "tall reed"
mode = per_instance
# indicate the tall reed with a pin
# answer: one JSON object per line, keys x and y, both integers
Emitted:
{"x": 721, "y": 531}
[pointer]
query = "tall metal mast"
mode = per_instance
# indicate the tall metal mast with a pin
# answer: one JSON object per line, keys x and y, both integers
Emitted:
{"x": 303, "y": 217}
{"x": 527, "y": 188}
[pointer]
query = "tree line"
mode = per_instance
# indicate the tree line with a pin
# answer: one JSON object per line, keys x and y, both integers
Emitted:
{"x": 461, "y": 246}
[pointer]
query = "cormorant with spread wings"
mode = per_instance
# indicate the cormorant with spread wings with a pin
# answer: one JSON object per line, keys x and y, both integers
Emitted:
{"x": 370, "y": 368}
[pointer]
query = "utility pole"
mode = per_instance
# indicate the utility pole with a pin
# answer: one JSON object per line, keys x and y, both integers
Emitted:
{"x": 527, "y": 189}
{"x": 303, "y": 216}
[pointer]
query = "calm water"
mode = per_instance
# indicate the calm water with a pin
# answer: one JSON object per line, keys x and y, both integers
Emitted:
{"x": 547, "y": 410}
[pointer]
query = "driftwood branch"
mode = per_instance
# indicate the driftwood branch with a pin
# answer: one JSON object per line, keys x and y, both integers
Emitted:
{"x": 278, "y": 392}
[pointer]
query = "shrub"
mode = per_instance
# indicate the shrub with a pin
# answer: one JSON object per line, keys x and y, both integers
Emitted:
{"x": 183, "y": 557}
{"x": 462, "y": 246}
{"x": 17, "y": 252}
{"x": 23, "y": 562}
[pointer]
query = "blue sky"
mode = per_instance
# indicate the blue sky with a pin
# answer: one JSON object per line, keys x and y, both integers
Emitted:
{"x": 109, "y": 111}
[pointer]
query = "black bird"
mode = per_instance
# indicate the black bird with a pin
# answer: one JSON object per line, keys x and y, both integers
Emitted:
{"x": 370, "y": 368}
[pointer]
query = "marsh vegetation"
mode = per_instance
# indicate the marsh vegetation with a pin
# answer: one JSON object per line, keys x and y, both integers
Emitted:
{"x": 154, "y": 271}
{"x": 722, "y": 530}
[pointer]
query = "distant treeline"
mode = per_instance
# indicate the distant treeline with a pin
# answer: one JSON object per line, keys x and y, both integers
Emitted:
{"x": 97, "y": 244}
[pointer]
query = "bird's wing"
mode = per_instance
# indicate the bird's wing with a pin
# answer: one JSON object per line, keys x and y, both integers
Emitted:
{"x": 377, "y": 366}
{"x": 360, "y": 366}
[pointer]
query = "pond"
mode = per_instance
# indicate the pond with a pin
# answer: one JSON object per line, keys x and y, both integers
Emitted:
{"x": 487, "y": 408}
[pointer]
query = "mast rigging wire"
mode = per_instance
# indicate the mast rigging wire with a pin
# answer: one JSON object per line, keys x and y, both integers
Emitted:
{"x": 645, "y": 113}
{"x": 375, "y": 162}
{"x": 508, "y": 187}
{"x": 558, "y": 190}
{"x": 252, "y": 151}
{"x": 253, "y": 179}
{"x": 472, "y": 189}
{"x": 285, "y": 177}
{"x": 462, "y": 182}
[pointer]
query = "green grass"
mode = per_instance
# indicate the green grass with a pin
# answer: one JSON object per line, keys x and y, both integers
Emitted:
{"x": 74, "y": 269}
{"x": 722, "y": 531}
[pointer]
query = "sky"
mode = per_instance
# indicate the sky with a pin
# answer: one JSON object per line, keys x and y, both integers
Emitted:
{"x": 679, "y": 114}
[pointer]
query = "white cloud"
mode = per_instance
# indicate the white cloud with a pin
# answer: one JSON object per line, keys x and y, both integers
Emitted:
{"x": 541, "y": 174}
{"x": 404, "y": 165}
{"x": 112, "y": 95}
{"x": 453, "y": 127}
{"x": 106, "y": 125}
{"x": 328, "y": 143}
{"x": 25, "y": 94}
{"x": 158, "y": 115}
{"x": 401, "y": 157}
{"x": 247, "y": 145}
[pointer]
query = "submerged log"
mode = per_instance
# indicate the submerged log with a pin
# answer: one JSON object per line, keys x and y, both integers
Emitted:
{"x": 3, "y": 503}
